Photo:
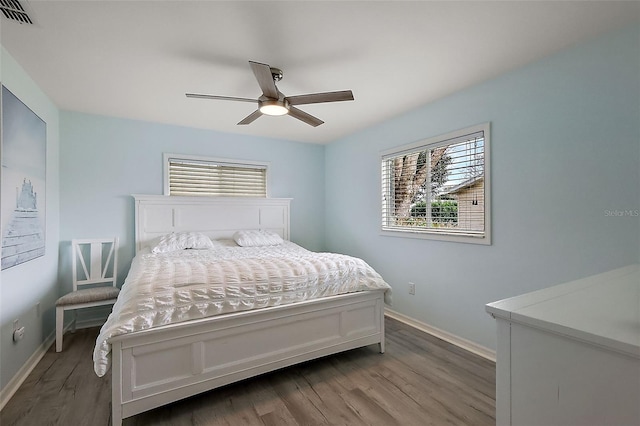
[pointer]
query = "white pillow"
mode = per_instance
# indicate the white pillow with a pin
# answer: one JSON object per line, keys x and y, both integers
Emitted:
{"x": 257, "y": 238}
{"x": 181, "y": 241}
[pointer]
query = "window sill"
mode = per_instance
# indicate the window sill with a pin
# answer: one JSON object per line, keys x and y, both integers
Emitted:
{"x": 439, "y": 236}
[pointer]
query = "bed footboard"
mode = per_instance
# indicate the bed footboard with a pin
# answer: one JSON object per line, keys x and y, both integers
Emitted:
{"x": 159, "y": 366}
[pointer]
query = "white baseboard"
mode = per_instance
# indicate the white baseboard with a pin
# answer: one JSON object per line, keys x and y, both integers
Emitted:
{"x": 90, "y": 323}
{"x": 14, "y": 384}
{"x": 444, "y": 335}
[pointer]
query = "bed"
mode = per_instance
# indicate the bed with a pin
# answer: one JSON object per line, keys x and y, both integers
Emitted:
{"x": 156, "y": 362}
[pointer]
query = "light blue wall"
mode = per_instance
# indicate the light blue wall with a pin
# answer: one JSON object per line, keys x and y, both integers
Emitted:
{"x": 23, "y": 286}
{"x": 104, "y": 160}
{"x": 565, "y": 149}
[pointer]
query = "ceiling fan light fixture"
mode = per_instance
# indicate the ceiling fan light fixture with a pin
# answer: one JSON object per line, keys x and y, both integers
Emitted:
{"x": 274, "y": 107}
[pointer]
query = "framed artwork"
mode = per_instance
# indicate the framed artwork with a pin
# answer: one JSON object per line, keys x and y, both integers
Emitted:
{"x": 24, "y": 155}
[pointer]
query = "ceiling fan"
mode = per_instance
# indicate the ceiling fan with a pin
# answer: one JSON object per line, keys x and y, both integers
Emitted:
{"x": 274, "y": 102}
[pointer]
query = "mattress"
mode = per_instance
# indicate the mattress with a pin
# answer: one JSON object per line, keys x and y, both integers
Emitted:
{"x": 167, "y": 288}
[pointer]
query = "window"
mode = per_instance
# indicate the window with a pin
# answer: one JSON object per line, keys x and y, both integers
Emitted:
{"x": 201, "y": 176}
{"x": 439, "y": 188}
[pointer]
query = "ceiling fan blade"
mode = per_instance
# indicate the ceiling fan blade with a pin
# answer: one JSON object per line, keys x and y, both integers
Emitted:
{"x": 222, "y": 98}
{"x": 265, "y": 79}
{"x": 316, "y": 98}
{"x": 303, "y": 116}
{"x": 251, "y": 117}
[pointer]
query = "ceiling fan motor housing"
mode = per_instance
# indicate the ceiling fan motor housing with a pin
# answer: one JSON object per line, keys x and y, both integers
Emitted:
{"x": 276, "y": 73}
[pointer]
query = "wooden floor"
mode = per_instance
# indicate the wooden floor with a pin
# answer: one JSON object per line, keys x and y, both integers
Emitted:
{"x": 419, "y": 380}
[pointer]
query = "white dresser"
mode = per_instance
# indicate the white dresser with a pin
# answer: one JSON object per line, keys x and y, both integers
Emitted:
{"x": 570, "y": 354}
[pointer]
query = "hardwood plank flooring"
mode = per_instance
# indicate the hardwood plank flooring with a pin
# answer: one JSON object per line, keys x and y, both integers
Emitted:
{"x": 419, "y": 380}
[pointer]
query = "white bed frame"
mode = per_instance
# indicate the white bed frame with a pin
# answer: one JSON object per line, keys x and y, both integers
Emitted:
{"x": 158, "y": 366}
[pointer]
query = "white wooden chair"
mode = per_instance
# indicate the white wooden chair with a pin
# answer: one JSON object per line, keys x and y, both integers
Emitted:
{"x": 97, "y": 266}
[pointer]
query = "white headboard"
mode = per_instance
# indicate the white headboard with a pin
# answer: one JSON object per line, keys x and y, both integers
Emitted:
{"x": 217, "y": 217}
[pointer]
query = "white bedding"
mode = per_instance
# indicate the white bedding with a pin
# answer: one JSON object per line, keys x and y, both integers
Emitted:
{"x": 166, "y": 288}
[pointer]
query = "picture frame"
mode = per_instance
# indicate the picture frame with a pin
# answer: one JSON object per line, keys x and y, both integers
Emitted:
{"x": 24, "y": 155}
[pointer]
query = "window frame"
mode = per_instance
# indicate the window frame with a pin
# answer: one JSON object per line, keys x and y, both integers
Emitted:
{"x": 430, "y": 143}
{"x": 167, "y": 157}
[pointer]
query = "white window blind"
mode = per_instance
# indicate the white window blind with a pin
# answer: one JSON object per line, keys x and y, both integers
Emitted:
{"x": 193, "y": 177}
{"x": 439, "y": 187}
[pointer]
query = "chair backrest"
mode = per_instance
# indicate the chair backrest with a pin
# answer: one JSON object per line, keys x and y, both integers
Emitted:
{"x": 95, "y": 261}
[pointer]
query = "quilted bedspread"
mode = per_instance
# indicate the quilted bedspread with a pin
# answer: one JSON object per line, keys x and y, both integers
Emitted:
{"x": 183, "y": 285}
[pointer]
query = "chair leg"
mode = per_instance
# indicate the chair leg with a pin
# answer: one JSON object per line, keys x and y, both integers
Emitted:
{"x": 75, "y": 320}
{"x": 59, "y": 327}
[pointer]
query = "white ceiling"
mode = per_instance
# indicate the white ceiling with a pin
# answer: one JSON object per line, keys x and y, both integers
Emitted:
{"x": 136, "y": 59}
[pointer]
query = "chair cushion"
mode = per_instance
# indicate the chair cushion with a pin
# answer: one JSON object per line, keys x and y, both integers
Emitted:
{"x": 87, "y": 295}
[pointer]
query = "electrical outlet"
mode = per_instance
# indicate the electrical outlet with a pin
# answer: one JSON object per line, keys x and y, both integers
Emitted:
{"x": 412, "y": 288}
{"x": 18, "y": 332}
